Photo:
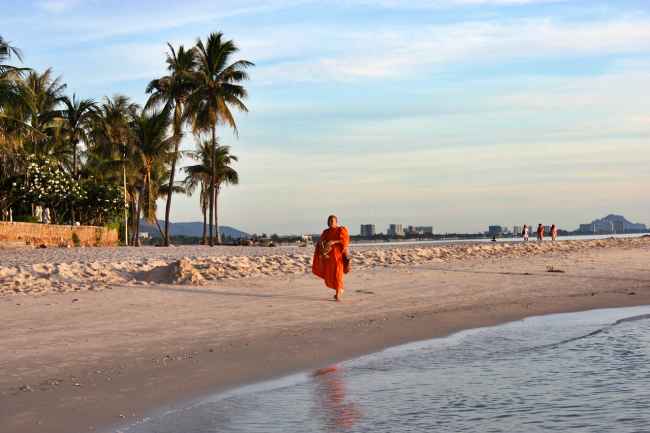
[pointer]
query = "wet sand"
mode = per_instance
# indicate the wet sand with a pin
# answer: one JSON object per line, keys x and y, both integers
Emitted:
{"x": 81, "y": 360}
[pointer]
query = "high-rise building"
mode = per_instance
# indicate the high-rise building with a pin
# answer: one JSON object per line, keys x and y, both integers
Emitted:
{"x": 495, "y": 230}
{"x": 424, "y": 230}
{"x": 368, "y": 230}
{"x": 587, "y": 228}
{"x": 516, "y": 230}
{"x": 395, "y": 230}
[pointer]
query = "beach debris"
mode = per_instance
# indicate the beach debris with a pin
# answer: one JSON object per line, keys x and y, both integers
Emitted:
{"x": 365, "y": 292}
{"x": 555, "y": 270}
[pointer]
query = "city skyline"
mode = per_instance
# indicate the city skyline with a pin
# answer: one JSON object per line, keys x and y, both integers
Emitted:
{"x": 499, "y": 110}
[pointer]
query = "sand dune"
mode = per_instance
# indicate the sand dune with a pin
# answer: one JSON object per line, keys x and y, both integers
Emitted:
{"x": 91, "y": 271}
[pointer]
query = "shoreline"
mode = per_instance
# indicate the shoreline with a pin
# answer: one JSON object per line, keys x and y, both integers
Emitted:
{"x": 244, "y": 331}
{"x": 404, "y": 341}
{"x": 305, "y": 374}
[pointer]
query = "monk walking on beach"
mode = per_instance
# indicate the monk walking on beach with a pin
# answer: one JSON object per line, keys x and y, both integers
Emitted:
{"x": 553, "y": 232}
{"x": 331, "y": 258}
{"x": 540, "y": 232}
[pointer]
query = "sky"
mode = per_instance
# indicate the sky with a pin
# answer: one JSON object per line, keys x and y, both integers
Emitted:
{"x": 454, "y": 113}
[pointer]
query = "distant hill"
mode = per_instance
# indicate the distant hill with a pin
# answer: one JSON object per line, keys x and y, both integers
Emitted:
{"x": 619, "y": 219}
{"x": 612, "y": 224}
{"x": 194, "y": 229}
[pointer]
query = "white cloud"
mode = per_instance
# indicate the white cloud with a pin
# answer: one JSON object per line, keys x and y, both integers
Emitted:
{"x": 58, "y": 6}
{"x": 438, "y": 4}
{"x": 404, "y": 52}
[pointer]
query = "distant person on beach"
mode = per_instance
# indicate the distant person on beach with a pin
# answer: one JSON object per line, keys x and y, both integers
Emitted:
{"x": 46, "y": 216}
{"x": 524, "y": 232}
{"x": 332, "y": 257}
{"x": 38, "y": 213}
{"x": 540, "y": 232}
{"x": 553, "y": 232}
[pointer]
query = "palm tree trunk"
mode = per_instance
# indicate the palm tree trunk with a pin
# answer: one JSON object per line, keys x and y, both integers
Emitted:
{"x": 126, "y": 208}
{"x": 216, "y": 213}
{"x": 148, "y": 202}
{"x": 134, "y": 218}
{"x": 74, "y": 159}
{"x": 136, "y": 241}
{"x": 160, "y": 230}
{"x": 76, "y": 176}
{"x": 205, "y": 225}
{"x": 168, "y": 205}
{"x": 213, "y": 172}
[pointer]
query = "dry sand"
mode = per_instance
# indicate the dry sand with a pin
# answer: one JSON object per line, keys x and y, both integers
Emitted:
{"x": 37, "y": 272}
{"x": 75, "y": 361}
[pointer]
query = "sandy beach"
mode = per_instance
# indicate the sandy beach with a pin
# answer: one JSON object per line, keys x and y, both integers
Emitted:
{"x": 99, "y": 337}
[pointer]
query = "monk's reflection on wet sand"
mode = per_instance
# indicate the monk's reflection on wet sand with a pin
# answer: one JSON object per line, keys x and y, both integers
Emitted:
{"x": 336, "y": 411}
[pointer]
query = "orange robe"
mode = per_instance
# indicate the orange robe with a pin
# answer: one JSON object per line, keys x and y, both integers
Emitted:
{"x": 331, "y": 268}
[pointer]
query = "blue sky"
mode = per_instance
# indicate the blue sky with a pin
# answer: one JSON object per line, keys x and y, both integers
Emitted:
{"x": 451, "y": 113}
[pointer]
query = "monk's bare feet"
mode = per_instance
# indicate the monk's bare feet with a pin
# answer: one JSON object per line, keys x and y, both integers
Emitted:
{"x": 337, "y": 297}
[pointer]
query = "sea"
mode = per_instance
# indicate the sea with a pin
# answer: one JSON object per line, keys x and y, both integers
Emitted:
{"x": 505, "y": 239}
{"x": 576, "y": 372}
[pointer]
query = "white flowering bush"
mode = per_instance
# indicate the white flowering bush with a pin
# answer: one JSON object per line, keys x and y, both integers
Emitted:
{"x": 45, "y": 183}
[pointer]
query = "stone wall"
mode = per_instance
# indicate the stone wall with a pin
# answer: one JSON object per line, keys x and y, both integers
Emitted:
{"x": 56, "y": 235}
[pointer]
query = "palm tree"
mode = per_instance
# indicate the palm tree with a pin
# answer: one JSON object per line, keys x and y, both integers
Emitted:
{"x": 40, "y": 94}
{"x": 76, "y": 117}
{"x": 152, "y": 148}
{"x": 216, "y": 90}
{"x": 110, "y": 146}
{"x": 201, "y": 174}
{"x": 6, "y": 52}
{"x": 172, "y": 91}
{"x": 12, "y": 126}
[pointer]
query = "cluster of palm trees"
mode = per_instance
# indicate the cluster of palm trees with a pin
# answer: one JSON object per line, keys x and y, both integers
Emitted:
{"x": 118, "y": 141}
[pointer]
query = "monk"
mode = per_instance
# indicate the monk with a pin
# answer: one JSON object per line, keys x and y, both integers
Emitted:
{"x": 554, "y": 232}
{"x": 540, "y": 232}
{"x": 331, "y": 256}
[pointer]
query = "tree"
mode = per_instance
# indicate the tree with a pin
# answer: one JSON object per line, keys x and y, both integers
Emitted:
{"x": 76, "y": 120}
{"x": 6, "y": 52}
{"x": 11, "y": 126}
{"x": 110, "y": 147}
{"x": 39, "y": 96}
{"x": 201, "y": 174}
{"x": 172, "y": 91}
{"x": 216, "y": 90}
{"x": 152, "y": 149}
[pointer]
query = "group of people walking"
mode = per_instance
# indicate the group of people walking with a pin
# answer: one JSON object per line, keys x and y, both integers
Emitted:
{"x": 540, "y": 232}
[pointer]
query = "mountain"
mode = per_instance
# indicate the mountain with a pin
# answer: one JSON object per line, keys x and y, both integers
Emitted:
{"x": 193, "y": 229}
{"x": 619, "y": 220}
{"x": 612, "y": 224}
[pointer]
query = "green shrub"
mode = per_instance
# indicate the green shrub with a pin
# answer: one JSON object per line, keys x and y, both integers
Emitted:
{"x": 26, "y": 219}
